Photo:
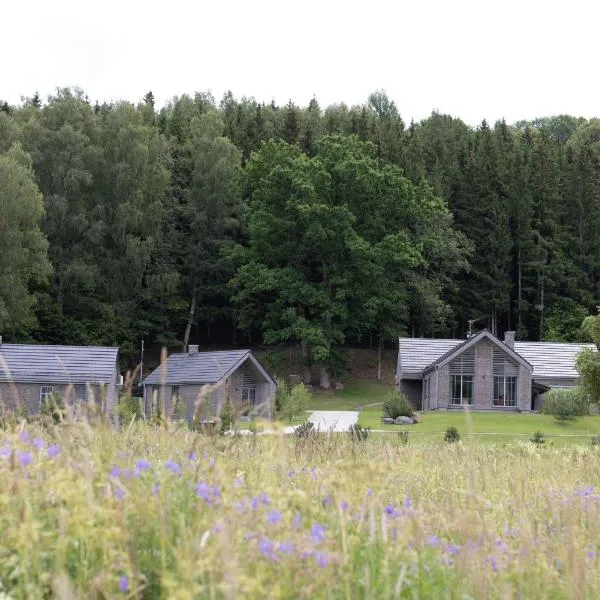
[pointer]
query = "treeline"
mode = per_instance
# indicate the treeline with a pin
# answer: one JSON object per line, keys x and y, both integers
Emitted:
{"x": 241, "y": 223}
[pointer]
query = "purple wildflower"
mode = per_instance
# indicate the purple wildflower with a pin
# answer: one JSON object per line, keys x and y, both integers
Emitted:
{"x": 25, "y": 459}
{"x": 38, "y": 443}
{"x": 192, "y": 456}
{"x": 264, "y": 498}
{"x": 344, "y": 506}
{"x": 321, "y": 559}
{"x": 274, "y": 517}
{"x": 25, "y": 437}
{"x": 286, "y": 548}
{"x": 313, "y": 473}
{"x": 291, "y": 474}
{"x": 326, "y": 500}
{"x": 433, "y": 541}
{"x": 254, "y": 503}
{"x": 451, "y": 549}
{"x": 119, "y": 493}
{"x": 267, "y": 548}
{"x": 390, "y": 511}
{"x": 317, "y": 533}
{"x": 297, "y": 522}
{"x": 174, "y": 467}
{"x": 53, "y": 451}
{"x": 208, "y": 493}
{"x": 407, "y": 502}
{"x": 369, "y": 492}
{"x": 591, "y": 554}
{"x": 143, "y": 465}
{"x": 5, "y": 452}
{"x": 124, "y": 584}
{"x": 155, "y": 489}
{"x": 115, "y": 471}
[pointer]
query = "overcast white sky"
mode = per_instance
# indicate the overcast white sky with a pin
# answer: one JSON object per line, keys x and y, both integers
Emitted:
{"x": 473, "y": 59}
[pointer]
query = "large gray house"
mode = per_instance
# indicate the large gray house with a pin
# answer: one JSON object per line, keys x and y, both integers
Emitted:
{"x": 483, "y": 372}
{"x": 29, "y": 374}
{"x": 183, "y": 375}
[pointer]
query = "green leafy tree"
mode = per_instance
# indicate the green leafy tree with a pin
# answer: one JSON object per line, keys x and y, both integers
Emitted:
{"x": 24, "y": 264}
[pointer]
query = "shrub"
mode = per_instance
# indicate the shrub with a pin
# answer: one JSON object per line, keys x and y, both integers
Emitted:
{"x": 293, "y": 401}
{"x": 396, "y": 404}
{"x": 596, "y": 440}
{"x": 227, "y": 415}
{"x": 54, "y": 406}
{"x": 538, "y": 438}
{"x": 358, "y": 433}
{"x": 403, "y": 435}
{"x": 128, "y": 407}
{"x": 305, "y": 430}
{"x": 451, "y": 435}
{"x": 566, "y": 404}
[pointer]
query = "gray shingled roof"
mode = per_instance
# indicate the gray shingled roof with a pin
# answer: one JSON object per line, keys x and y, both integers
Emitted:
{"x": 26, "y": 363}
{"x": 549, "y": 359}
{"x": 200, "y": 367}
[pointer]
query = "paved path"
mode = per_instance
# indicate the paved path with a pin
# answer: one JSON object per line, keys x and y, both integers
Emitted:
{"x": 333, "y": 420}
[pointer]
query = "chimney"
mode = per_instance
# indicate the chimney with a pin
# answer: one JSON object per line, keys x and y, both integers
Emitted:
{"x": 509, "y": 339}
{"x": 192, "y": 348}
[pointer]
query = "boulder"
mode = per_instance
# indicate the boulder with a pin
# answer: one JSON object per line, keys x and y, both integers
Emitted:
{"x": 339, "y": 386}
{"x": 388, "y": 421}
{"x": 404, "y": 421}
{"x": 417, "y": 418}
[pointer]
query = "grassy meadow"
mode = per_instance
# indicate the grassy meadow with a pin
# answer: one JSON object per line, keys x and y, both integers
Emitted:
{"x": 87, "y": 511}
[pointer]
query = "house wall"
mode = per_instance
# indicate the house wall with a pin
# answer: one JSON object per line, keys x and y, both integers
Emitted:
{"x": 413, "y": 389}
{"x": 27, "y": 395}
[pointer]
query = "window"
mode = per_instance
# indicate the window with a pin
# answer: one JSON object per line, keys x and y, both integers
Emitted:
{"x": 45, "y": 392}
{"x": 505, "y": 371}
{"x": 80, "y": 391}
{"x": 505, "y": 390}
{"x": 461, "y": 390}
{"x": 249, "y": 395}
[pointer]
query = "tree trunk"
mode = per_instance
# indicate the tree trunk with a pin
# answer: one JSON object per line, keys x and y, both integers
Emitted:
{"x": 188, "y": 327}
{"x": 325, "y": 382}
{"x": 306, "y": 374}
{"x": 379, "y": 348}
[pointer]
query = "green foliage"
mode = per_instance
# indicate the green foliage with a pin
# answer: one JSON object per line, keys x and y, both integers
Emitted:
{"x": 292, "y": 401}
{"x": 403, "y": 435}
{"x": 595, "y": 441}
{"x": 128, "y": 408}
{"x": 588, "y": 361}
{"x": 566, "y": 404}
{"x": 305, "y": 430}
{"x": 54, "y": 406}
{"x": 227, "y": 415}
{"x": 451, "y": 435}
{"x": 358, "y": 433}
{"x": 396, "y": 404}
{"x": 538, "y": 438}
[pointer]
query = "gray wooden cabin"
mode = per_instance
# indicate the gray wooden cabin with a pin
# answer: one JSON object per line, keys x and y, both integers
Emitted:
{"x": 30, "y": 374}
{"x": 183, "y": 376}
{"x": 484, "y": 372}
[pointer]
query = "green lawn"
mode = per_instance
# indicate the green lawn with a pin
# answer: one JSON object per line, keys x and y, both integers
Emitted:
{"x": 354, "y": 394}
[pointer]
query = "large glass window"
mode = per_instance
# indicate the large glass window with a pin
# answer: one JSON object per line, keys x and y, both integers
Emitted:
{"x": 461, "y": 389}
{"x": 249, "y": 395}
{"x": 46, "y": 392}
{"x": 505, "y": 390}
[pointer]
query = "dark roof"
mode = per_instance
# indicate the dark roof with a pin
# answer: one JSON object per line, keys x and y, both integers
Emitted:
{"x": 202, "y": 367}
{"x": 24, "y": 363}
{"x": 548, "y": 359}
{"x": 460, "y": 347}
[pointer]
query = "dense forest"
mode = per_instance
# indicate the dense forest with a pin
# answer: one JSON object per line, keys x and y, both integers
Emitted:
{"x": 234, "y": 223}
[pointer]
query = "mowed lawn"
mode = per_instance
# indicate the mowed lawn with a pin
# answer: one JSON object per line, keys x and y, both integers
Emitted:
{"x": 367, "y": 396}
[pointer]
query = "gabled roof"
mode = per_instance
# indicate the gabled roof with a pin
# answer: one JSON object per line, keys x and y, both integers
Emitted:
{"x": 549, "y": 359}
{"x": 472, "y": 341}
{"x": 24, "y": 363}
{"x": 202, "y": 367}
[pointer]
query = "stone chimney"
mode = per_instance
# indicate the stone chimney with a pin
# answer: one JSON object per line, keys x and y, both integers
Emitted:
{"x": 192, "y": 348}
{"x": 509, "y": 339}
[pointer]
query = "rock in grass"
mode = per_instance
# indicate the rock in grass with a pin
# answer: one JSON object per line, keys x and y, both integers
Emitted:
{"x": 388, "y": 421}
{"x": 404, "y": 421}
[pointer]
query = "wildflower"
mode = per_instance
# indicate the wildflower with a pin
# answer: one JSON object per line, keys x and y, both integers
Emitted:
{"x": 264, "y": 498}
{"x": 239, "y": 480}
{"x": 124, "y": 584}
{"x": 174, "y": 467}
{"x": 344, "y": 506}
{"x": 451, "y": 549}
{"x": 390, "y": 511}
{"x": 119, "y": 493}
{"x": 115, "y": 471}
{"x": 369, "y": 492}
{"x": 591, "y": 554}
{"x": 143, "y": 465}
{"x": 291, "y": 474}
{"x": 433, "y": 541}
{"x": 317, "y": 533}
{"x": 25, "y": 459}
{"x": 321, "y": 559}
{"x": 297, "y": 522}
{"x": 407, "y": 502}
{"x": 267, "y": 548}
{"x": 192, "y": 456}
{"x": 326, "y": 500}
{"x": 25, "y": 437}
{"x": 38, "y": 443}
{"x": 207, "y": 492}
{"x": 53, "y": 451}
{"x": 274, "y": 517}
{"x": 5, "y": 452}
{"x": 155, "y": 489}
{"x": 286, "y": 548}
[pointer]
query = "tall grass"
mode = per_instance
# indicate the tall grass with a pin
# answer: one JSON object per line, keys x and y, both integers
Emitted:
{"x": 159, "y": 512}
